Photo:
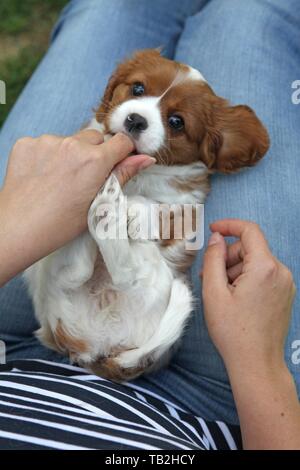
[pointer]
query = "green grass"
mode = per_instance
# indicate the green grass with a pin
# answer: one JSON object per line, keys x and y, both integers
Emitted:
{"x": 25, "y": 26}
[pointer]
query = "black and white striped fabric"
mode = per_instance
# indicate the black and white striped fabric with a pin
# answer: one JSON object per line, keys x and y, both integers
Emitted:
{"x": 46, "y": 405}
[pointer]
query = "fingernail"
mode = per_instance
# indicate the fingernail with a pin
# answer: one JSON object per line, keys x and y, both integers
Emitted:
{"x": 214, "y": 238}
{"x": 146, "y": 163}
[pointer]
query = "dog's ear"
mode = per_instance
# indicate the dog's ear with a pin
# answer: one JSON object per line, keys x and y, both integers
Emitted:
{"x": 119, "y": 76}
{"x": 108, "y": 94}
{"x": 145, "y": 54}
{"x": 236, "y": 139}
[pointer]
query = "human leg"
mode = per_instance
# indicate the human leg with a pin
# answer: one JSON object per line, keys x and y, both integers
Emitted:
{"x": 249, "y": 52}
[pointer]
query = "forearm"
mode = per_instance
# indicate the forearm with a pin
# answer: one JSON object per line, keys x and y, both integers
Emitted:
{"x": 16, "y": 251}
{"x": 27, "y": 232}
{"x": 268, "y": 407}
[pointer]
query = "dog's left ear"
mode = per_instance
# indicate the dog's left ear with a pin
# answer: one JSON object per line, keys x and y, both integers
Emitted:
{"x": 120, "y": 74}
{"x": 236, "y": 139}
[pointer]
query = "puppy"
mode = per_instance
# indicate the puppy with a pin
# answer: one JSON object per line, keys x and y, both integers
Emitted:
{"x": 116, "y": 304}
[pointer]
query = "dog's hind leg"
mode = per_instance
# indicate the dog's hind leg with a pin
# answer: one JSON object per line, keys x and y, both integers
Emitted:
{"x": 167, "y": 333}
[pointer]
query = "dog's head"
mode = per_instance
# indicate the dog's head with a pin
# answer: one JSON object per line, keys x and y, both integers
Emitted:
{"x": 171, "y": 113}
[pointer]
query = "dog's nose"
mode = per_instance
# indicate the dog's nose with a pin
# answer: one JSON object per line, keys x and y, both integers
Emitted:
{"x": 135, "y": 123}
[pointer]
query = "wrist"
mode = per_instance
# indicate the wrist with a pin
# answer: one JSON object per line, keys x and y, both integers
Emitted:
{"x": 5, "y": 211}
{"x": 6, "y": 245}
{"x": 268, "y": 407}
{"x": 258, "y": 371}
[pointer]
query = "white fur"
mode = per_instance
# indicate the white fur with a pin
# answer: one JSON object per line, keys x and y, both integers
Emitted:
{"x": 141, "y": 301}
{"x": 194, "y": 74}
{"x": 153, "y": 137}
{"x": 95, "y": 125}
{"x": 154, "y": 183}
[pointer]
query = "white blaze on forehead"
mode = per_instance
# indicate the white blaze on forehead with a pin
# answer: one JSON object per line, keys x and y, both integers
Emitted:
{"x": 194, "y": 74}
{"x": 151, "y": 139}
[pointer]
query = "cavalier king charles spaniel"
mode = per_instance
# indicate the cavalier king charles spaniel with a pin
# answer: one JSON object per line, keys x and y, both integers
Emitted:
{"x": 116, "y": 300}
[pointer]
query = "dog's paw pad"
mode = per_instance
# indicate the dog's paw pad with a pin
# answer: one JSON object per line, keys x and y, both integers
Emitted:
{"x": 111, "y": 190}
{"x": 101, "y": 220}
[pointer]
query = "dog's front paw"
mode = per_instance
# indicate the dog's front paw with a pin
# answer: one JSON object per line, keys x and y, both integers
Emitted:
{"x": 142, "y": 221}
{"x": 105, "y": 211}
{"x": 101, "y": 221}
{"x": 111, "y": 190}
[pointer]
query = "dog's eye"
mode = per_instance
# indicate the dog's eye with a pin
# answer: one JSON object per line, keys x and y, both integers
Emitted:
{"x": 138, "y": 89}
{"x": 176, "y": 122}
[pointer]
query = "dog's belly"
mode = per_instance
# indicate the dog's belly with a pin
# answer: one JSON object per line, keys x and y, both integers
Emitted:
{"x": 96, "y": 319}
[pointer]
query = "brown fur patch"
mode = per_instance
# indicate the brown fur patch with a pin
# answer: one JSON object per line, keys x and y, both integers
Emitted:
{"x": 236, "y": 140}
{"x": 170, "y": 233}
{"x": 110, "y": 369}
{"x": 46, "y": 336}
{"x": 67, "y": 342}
{"x": 186, "y": 261}
{"x": 99, "y": 277}
{"x": 167, "y": 227}
{"x": 187, "y": 185}
{"x": 186, "y": 257}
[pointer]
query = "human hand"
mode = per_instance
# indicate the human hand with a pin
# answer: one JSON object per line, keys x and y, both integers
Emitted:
{"x": 248, "y": 296}
{"x": 49, "y": 186}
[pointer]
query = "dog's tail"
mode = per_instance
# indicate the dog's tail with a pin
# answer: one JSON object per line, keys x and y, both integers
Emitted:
{"x": 168, "y": 332}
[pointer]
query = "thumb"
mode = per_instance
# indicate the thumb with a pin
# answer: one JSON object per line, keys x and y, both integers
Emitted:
{"x": 115, "y": 150}
{"x": 214, "y": 275}
{"x": 130, "y": 166}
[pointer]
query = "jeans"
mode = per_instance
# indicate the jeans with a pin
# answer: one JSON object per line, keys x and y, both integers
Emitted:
{"x": 249, "y": 51}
